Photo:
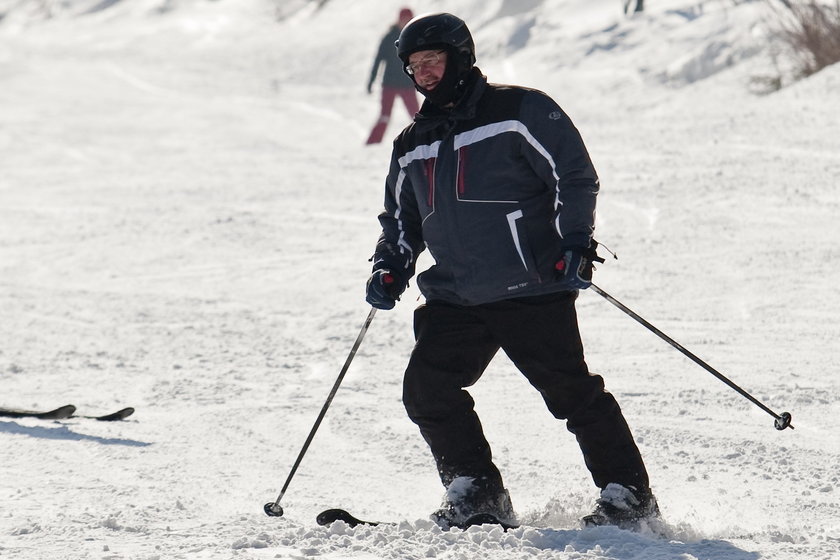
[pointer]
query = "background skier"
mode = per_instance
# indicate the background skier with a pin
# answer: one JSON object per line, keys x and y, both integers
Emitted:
{"x": 394, "y": 81}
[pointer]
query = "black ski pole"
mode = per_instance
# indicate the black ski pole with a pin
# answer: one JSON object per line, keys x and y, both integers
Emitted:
{"x": 782, "y": 420}
{"x": 273, "y": 509}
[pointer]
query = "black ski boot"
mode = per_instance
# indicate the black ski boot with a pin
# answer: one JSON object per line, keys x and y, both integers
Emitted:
{"x": 475, "y": 501}
{"x": 624, "y": 507}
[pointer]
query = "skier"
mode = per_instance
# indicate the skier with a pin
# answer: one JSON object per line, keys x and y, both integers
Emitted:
{"x": 496, "y": 182}
{"x": 394, "y": 81}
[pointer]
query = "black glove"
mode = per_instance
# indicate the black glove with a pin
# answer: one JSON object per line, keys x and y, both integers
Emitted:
{"x": 576, "y": 264}
{"x": 384, "y": 289}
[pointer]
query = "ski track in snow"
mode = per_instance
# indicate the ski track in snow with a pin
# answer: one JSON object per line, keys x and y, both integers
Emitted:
{"x": 186, "y": 214}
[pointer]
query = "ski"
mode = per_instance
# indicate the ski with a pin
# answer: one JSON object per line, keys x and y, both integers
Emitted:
{"x": 330, "y": 516}
{"x": 487, "y": 519}
{"x": 59, "y": 413}
{"x": 63, "y": 413}
{"x": 121, "y": 414}
{"x": 653, "y": 525}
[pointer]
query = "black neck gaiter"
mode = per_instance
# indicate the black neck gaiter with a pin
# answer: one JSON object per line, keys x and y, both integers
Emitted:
{"x": 448, "y": 89}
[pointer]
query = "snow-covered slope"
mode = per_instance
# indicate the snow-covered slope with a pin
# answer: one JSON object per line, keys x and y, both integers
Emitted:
{"x": 186, "y": 213}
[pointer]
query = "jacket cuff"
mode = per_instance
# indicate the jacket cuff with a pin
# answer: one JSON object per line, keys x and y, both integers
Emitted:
{"x": 575, "y": 241}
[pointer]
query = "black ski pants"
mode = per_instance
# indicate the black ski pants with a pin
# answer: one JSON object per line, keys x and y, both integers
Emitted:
{"x": 454, "y": 345}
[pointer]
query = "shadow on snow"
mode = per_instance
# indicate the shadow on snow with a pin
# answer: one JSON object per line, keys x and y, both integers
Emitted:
{"x": 618, "y": 544}
{"x": 64, "y": 432}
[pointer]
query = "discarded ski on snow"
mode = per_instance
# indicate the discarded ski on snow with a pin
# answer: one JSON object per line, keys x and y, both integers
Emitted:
{"x": 63, "y": 413}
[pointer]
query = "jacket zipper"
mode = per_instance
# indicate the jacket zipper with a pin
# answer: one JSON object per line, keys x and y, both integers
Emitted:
{"x": 462, "y": 168}
{"x": 430, "y": 173}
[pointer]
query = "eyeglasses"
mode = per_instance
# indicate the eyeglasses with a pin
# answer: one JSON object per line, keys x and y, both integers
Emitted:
{"x": 431, "y": 60}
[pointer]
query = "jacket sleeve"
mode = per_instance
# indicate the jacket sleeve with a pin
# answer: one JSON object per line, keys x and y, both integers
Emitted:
{"x": 558, "y": 155}
{"x": 381, "y": 53}
{"x": 401, "y": 241}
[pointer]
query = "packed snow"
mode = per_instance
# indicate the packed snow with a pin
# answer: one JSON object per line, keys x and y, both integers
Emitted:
{"x": 186, "y": 213}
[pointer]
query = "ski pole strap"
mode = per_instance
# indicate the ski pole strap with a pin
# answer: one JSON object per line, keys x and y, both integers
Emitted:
{"x": 782, "y": 421}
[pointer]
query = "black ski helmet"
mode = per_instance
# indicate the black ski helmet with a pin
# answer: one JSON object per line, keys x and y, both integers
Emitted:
{"x": 429, "y": 31}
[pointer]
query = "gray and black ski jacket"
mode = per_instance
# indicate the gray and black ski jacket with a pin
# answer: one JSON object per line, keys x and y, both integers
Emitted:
{"x": 497, "y": 188}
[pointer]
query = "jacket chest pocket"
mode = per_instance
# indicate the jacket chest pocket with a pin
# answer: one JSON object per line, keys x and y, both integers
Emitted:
{"x": 487, "y": 172}
{"x": 429, "y": 166}
{"x": 421, "y": 174}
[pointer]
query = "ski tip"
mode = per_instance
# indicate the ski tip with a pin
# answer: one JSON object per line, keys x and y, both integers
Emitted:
{"x": 118, "y": 415}
{"x": 330, "y": 516}
{"x": 124, "y": 413}
{"x": 60, "y": 413}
